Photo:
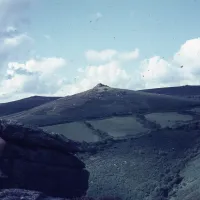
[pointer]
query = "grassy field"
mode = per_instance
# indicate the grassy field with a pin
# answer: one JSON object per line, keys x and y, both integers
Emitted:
{"x": 116, "y": 127}
{"x": 75, "y": 131}
{"x": 119, "y": 126}
{"x": 167, "y": 119}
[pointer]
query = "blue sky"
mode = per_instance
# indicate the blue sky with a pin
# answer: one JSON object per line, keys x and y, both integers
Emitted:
{"x": 155, "y": 27}
{"x": 61, "y": 33}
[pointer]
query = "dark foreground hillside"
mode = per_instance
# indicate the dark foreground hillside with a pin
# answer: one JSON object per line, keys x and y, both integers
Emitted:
{"x": 32, "y": 159}
{"x": 161, "y": 165}
{"x": 156, "y": 166}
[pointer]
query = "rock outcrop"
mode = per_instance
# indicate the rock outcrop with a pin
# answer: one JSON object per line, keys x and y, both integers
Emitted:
{"x": 32, "y": 159}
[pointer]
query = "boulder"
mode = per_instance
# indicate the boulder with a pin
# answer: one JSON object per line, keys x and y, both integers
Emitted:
{"x": 32, "y": 159}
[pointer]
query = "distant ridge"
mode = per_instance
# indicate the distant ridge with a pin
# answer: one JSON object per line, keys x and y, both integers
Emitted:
{"x": 186, "y": 90}
{"x": 24, "y": 104}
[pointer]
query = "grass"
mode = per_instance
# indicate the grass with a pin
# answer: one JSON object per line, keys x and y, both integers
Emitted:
{"x": 119, "y": 126}
{"x": 167, "y": 119}
{"x": 77, "y": 131}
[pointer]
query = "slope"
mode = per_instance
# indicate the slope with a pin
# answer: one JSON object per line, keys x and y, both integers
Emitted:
{"x": 156, "y": 166}
{"x": 24, "y": 104}
{"x": 100, "y": 102}
{"x": 188, "y": 90}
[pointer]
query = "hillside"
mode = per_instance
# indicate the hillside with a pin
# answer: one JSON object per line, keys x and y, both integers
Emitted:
{"x": 23, "y": 104}
{"x": 161, "y": 165}
{"x": 186, "y": 91}
{"x": 101, "y": 102}
{"x": 134, "y": 144}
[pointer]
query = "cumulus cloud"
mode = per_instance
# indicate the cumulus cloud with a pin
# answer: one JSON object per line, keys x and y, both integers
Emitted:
{"x": 189, "y": 56}
{"x": 110, "y": 73}
{"x": 182, "y": 69}
{"x": 43, "y": 76}
{"x": 110, "y": 54}
{"x": 12, "y": 41}
{"x": 44, "y": 65}
{"x": 157, "y": 72}
{"x": 47, "y": 76}
{"x": 11, "y": 44}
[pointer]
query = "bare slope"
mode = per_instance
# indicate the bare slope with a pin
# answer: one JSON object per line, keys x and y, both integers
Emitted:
{"x": 100, "y": 102}
{"x": 23, "y": 104}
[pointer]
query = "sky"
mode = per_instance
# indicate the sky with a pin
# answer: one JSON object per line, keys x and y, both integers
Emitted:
{"x": 62, "y": 47}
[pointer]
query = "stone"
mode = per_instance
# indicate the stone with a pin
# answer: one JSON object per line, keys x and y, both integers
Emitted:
{"x": 33, "y": 159}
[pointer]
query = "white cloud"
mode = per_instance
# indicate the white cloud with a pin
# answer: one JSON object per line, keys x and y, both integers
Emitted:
{"x": 156, "y": 72}
{"x": 13, "y": 43}
{"x": 189, "y": 56}
{"x": 43, "y": 76}
{"x": 44, "y": 65}
{"x": 183, "y": 69}
{"x": 16, "y": 40}
{"x": 110, "y": 73}
{"x": 111, "y": 54}
{"x": 47, "y": 76}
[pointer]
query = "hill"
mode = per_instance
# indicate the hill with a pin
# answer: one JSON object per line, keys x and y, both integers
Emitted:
{"x": 24, "y": 104}
{"x": 139, "y": 145}
{"x": 161, "y": 165}
{"x": 186, "y": 91}
{"x": 100, "y": 102}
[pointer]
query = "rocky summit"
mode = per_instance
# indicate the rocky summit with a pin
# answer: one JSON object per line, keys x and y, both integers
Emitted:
{"x": 33, "y": 160}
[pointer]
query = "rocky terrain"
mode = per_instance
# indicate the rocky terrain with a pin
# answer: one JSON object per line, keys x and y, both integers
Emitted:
{"x": 105, "y": 142}
{"x": 35, "y": 160}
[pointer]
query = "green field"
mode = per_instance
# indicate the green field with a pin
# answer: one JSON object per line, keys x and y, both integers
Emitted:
{"x": 168, "y": 119}
{"x": 75, "y": 131}
{"x": 119, "y": 126}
